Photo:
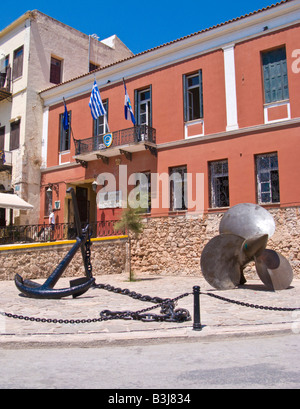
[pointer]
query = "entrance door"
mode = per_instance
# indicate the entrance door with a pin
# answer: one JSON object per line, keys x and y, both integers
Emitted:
{"x": 2, "y": 217}
{"x": 83, "y": 205}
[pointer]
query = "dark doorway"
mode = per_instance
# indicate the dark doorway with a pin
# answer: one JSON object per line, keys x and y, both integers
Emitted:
{"x": 83, "y": 204}
{"x": 2, "y": 217}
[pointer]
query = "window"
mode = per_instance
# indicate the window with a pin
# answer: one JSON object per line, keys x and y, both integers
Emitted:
{"x": 275, "y": 75}
{"x": 93, "y": 66}
{"x": 178, "y": 188}
{"x": 193, "y": 96}
{"x": 18, "y": 63}
{"x": 4, "y": 67}
{"x": 143, "y": 106}
{"x": 109, "y": 200}
{"x": 143, "y": 187}
{"x": 219, "y": 184}
{"x": 267, "y": 178}
{"x": 148, "y": 186}
{"x": 55, "y": 70}
{"x": 65, "y": 134}
{"x": 14, "y": 135}
{"x": 100, "y": 124}
{"x": 48, "y": 201}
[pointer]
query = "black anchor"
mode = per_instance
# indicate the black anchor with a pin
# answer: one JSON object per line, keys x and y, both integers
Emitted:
{"x": 78, "y": 286}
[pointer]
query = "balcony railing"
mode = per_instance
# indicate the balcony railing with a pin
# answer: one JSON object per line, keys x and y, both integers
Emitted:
{"x": 140, "y": 134}
{"x": 5, "y": 84}
{"x": 62, "y": 231}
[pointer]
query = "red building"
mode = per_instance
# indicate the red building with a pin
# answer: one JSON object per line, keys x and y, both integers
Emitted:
{"x": 219, "y": 108}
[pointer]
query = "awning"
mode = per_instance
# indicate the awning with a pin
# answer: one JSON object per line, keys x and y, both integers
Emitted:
{"x": 11, "y": 201}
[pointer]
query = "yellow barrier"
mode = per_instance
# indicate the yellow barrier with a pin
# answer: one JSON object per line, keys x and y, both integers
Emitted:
{"x": 55, "y": 243}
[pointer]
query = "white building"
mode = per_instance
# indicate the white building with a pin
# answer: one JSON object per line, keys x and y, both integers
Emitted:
{"x": 36, "y": 52}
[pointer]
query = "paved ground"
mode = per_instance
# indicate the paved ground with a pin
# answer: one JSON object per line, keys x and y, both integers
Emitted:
{"x": 218, "y": 318}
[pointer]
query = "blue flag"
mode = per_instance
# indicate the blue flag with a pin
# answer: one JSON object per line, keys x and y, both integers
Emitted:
{"x": 66, "y": 118}
{"x": 127, "y": 106}
{"x": 95, "y": 104}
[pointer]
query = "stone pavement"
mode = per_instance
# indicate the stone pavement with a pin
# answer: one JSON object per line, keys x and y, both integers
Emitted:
{"x": 218, "y": 318}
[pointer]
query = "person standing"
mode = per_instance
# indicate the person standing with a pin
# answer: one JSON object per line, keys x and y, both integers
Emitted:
{"x": 52, "y": 224}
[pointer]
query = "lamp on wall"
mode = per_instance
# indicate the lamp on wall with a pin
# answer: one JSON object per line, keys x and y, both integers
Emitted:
{"x": 94, "y": 186}
{"x": 53, "y": 186}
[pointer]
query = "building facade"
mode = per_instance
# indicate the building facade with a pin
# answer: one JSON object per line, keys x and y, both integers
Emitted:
{"x": 36, "y": 52}
{"x": 217, "y": 123}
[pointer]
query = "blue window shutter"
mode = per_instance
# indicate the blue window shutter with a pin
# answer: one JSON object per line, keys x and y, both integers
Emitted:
{"x": 275, "y": 75}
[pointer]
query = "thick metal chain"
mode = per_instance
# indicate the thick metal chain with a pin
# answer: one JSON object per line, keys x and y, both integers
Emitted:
{"x": 88, "y": 262}
{"x": 244, "y": 304}
{"x": 168, "y": 312}
{"x": 167, "y": 305}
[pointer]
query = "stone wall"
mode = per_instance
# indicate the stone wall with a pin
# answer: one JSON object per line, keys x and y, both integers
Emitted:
{"x": 107, "y": 257}
{"x": 168, "y": 246}
{"x": 173, "y": 245}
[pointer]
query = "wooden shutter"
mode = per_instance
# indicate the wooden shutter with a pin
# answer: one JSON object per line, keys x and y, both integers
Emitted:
{"x": 2, "y": 136}
{"x": 18, "y": 63}
{"x": 55, "y": 71}
{"x": 14, "y": 136}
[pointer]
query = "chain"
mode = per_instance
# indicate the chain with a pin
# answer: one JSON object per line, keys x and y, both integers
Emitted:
{"x": 88, "y": 263}
{"x": 167, "y": 305}
{"x": 244, "y": 304}
{"x": 50, "y": 320}
{"x": 168, "y": 312}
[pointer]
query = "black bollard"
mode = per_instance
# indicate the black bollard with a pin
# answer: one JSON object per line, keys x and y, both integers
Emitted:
{"x": 197, "y": 323}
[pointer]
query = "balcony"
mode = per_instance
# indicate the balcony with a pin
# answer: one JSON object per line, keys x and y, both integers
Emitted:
{"x": 126, "y": 142}
{"x": 5, "y": 160}
{"x": 5, "y": 82}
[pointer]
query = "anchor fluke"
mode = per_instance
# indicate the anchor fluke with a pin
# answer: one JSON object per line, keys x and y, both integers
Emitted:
{"x": 35, "y": 290}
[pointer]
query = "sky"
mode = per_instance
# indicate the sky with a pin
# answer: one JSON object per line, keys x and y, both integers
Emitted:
{"x": 141, "y": 25}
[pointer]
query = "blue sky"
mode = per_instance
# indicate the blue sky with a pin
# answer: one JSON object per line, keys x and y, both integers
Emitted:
{"x": 141, "y": 25}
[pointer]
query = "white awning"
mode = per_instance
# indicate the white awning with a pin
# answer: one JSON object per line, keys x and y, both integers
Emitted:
{"x": 12, "y": 201}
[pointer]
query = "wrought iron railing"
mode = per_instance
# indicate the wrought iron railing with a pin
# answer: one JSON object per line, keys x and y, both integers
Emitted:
{"x": 61, "y": 231}
{"x": 137, "y": 134}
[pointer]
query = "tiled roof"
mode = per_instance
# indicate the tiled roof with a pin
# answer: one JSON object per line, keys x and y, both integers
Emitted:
{"x": 178, "y": 40}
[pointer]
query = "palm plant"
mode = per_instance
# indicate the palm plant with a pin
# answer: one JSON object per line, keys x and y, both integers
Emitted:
{"x": 131, "y": 221}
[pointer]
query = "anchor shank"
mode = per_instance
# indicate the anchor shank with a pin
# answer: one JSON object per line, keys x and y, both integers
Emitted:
{"x": 57, "y": 273}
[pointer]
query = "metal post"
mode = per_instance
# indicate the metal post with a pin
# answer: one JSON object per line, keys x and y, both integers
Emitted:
{"x": 197, "y": 324}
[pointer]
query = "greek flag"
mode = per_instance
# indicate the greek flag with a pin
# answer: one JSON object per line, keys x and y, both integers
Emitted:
{"x": 95, "y": 104}
{"x": 127, "y": 106}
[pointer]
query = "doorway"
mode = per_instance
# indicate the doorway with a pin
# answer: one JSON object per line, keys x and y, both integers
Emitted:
{"x": 83, "y": 203}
